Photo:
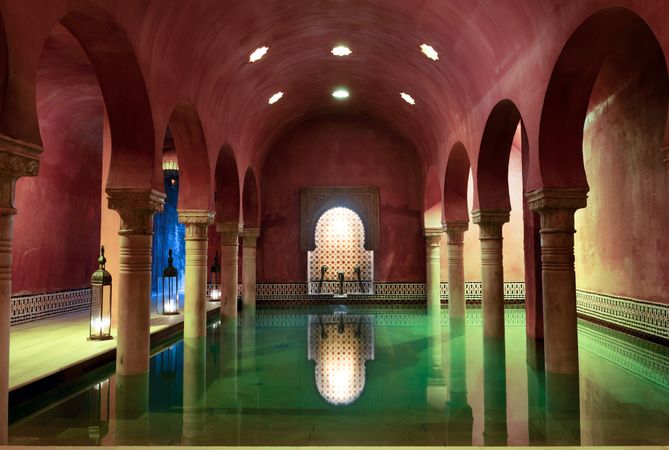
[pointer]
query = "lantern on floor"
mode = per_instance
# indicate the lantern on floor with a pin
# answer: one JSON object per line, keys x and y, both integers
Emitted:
{"x": 98, "y": 412}
{"x": 101, "y": 301}
{"x": 214, "y": 281}
{"x": 170, "y": 299}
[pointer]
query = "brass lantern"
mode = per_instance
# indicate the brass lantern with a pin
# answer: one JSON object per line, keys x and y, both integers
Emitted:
{"x": 170, "y": 279}
{"x": 101, "y": 301}
{"x": 98, "y": 413}
{"x": 214, "y": 281}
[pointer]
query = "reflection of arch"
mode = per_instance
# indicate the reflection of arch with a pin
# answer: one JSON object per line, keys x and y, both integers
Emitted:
{"x": 227, "y": 186}
{"x": 133, "y": 162}
{"x": 250, "y": 207}
{"x": 191, "y": 148}
{"x": 492, "y": 169}
{"x": 561, "y": 130}
{"x": 455, "y": 185}
{"x": 317, "y": 200}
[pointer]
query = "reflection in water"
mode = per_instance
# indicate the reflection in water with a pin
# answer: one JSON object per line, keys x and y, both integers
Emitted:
{"x": 194, "y": 388}
{"x": 494, "y": 391}
{"x": 459, "y": 417}
{"x": 340, "y": 344}
{"x": 132, "y": 406}
{"x": 98, "y": 411}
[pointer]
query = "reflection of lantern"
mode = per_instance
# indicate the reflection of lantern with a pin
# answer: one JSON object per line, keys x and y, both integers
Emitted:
{"x": 98, "y": 412}
{"x": 101, "y": 301}
{"x": 170, "y": 287}
{"x": 214, "y": 281}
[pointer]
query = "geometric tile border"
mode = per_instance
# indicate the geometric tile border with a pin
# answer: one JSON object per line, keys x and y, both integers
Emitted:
{"x": 26, "y": 308}
{"x": 637, "y": 317}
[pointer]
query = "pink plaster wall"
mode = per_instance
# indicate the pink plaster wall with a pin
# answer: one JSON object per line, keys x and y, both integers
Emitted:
{"x": 342, "y": 151}
{"x": 621, "y": 243}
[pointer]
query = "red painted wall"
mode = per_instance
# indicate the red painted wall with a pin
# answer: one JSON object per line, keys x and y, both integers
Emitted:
{"x": 622, "y": 243}
{"x": 342, "y": 151}
{"x": 57, "y": 228}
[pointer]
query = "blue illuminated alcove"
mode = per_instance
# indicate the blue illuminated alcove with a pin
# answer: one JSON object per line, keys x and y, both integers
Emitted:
{"x": 168, "y": 233}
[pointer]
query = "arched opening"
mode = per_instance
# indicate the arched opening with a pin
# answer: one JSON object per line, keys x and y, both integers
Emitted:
{"x": 250, "y": 201}
{"x": 456, "y": 183}
{"x": 226, "y": 178}
{"x": 340, "y": 264}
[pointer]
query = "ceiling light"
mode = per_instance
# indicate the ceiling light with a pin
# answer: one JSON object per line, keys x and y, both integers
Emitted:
{"x": 258, "y": 54}
{"x": 340, "y": 93}
{"x": 275, "y": 98}
{"x": 430, "y": 52}
{"x": 407, "y": 98}
{"x": 341, "y": 50}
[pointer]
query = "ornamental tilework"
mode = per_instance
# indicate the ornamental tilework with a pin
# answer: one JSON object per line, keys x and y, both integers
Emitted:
{"x": 27, "y": 308}
{"x": 340, "y": 239}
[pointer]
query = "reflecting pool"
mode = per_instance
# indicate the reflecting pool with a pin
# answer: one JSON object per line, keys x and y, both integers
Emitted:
{"x": 367, "y": 376}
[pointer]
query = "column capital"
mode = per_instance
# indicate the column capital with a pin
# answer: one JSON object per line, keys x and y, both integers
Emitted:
{"x": 490, "y": 222}
{"x": 557, "y": 198}
{"x": 230, "y": 232}
{"x": 17, "y": 159}
{"x": 250, "y": 236}
{"x": 197, "y": 221}
{"x": 455, "y": 231}
{"x": 136, "y": 208}
{"x": 664, "y": 150}
{"x": 432, "y": 236}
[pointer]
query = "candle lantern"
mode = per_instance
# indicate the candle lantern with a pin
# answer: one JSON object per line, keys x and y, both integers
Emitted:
{"x": 101, "y": 301}
{"x": 214, "y": 281}
{"x": 98, "y": 413}
{"x": 170, "y": 285}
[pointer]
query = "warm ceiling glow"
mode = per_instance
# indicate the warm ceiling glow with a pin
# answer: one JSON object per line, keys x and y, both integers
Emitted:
{"x": 258, "y": 54}
{"x": 430, "y": 52}
{"x": 407, "y": 98}
{"x": 341, "y": 50}
{"x": 340, "y": 93}
{"x": 275, "y": 98}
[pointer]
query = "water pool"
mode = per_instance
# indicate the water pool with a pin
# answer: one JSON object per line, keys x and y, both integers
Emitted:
{"x": 375, "y": 376}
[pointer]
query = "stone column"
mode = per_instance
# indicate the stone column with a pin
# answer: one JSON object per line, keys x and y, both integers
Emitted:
{"x": 195, "y": 297}
{"x": 136, "y": 208}
{"x": 492, "y": 270}
{"x": 229, "y": 267}
{"x": 249, "y": 239}
{"x": 17, "y": 159}
{"x": 556, "y": 208}
{"x": 455, "y": 233}
{"x": 433, "y": 269}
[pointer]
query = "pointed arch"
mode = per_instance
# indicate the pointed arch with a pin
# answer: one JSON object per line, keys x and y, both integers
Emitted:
{"x": 455, "y": 185}
{"x": 250, "y": 200}
{"x": 227, "y": 186}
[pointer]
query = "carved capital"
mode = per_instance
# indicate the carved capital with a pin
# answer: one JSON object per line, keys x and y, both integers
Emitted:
{"x": 17, "y": 159}
{"x": 432, "y": 236}
{"x": 455, "y": 231}
{"x": 197, "y": 222}
{"x": 229, "y": 232}
{"x": 556, "y": 207}
{"x": 490, "y": 222}
{"x": 250, "y": 236}
{"x": 136, "y": 208}
{"x": 664, "y": 150}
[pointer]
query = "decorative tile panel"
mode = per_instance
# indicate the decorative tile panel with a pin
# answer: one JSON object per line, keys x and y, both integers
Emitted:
{"x": 633, "y": 316}
{"x": 26, "y": 308}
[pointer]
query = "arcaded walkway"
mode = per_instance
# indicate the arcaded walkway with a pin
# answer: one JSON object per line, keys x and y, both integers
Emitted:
{"x": 44, "y": 347}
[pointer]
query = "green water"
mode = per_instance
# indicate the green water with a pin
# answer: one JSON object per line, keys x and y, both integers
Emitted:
{"x": 383, "y": 376}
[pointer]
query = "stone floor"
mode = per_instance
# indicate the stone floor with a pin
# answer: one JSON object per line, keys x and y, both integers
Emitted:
{"x": 43, "y": 347}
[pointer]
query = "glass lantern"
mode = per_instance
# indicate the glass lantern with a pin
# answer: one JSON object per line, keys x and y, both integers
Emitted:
{"x": 98, "y": 413}
{"x": 101, "y": 301}
{"x": 170, "y": 281}
{"x": 214, "y": 281}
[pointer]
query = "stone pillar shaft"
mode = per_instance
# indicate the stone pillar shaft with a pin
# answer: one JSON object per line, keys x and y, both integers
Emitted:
{"x": 136, "y": 208}
{"x": 556, "y": 208}
{"x": 433, "y": 269}
{"x": 195, "y": 296}
{"x": 455, "y": 232}
{"x": 249, "y": 240}
{"x": 17, "y": 159}
{"x": 492, "y": 269}
{"x": 229, "y": 267}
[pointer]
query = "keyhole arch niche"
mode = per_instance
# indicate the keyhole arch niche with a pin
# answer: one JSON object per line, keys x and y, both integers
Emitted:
{"x": 346, "y": 220}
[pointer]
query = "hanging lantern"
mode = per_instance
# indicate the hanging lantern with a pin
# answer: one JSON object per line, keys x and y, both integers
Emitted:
{"x": 214, "y": 281}
{"x": 170, "y": 287}
{"x": 98, "y": 414}
{"x": 101, "y": 301}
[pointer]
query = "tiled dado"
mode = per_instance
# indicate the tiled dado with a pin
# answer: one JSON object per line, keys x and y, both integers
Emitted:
{"x": 26, "y": 308}
{"x": 646, "y": 319}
